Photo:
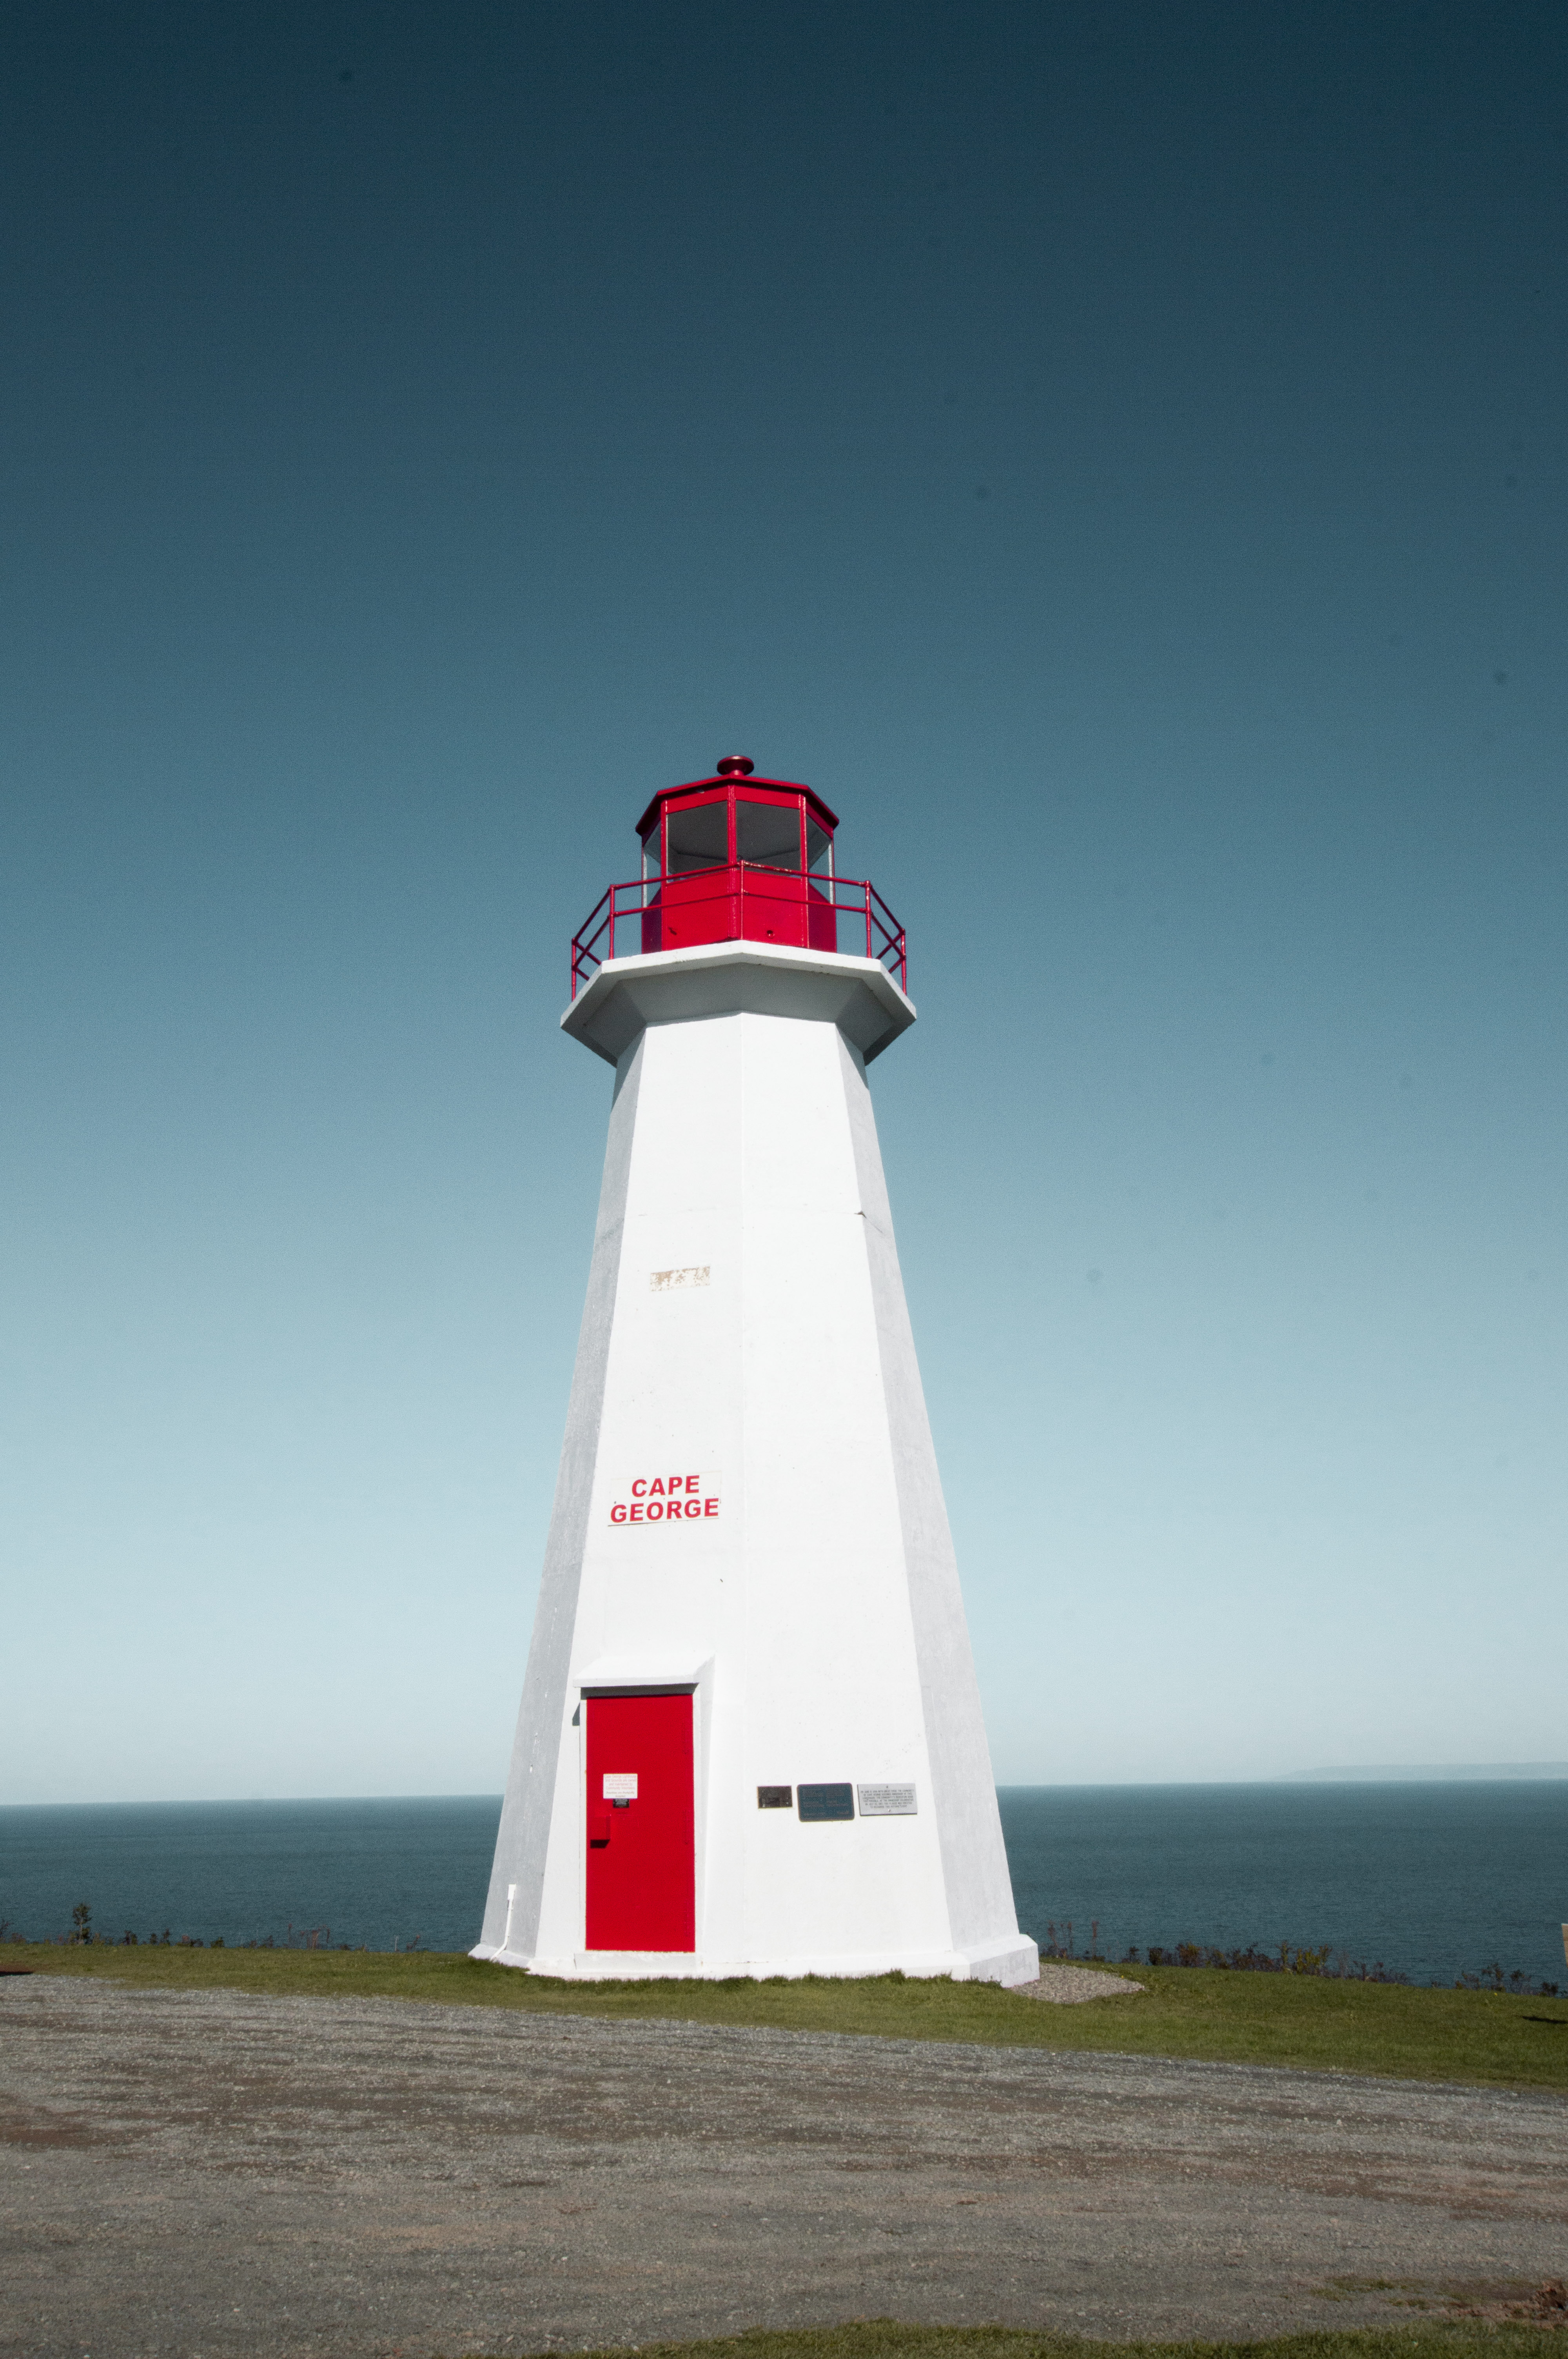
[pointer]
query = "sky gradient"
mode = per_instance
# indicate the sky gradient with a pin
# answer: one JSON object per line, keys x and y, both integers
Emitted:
{"x": 1116, "y": 454}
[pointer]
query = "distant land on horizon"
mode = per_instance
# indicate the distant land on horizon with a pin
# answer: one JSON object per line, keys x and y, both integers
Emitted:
{"x": 1437, "y": 1772}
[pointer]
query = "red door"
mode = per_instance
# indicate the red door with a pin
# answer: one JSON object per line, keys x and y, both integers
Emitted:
{"x": 642, "y": 1850}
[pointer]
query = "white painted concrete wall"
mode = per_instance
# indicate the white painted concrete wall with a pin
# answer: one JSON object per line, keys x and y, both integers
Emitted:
{"x": 817, "y": 1613}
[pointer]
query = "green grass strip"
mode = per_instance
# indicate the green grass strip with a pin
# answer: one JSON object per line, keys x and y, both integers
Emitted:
{"x": 884, "y": 2338}
{"x": 1491, "y": 2040}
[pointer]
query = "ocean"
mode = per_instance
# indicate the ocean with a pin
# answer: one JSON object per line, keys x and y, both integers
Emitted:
{"x": 1429, "y": 1880}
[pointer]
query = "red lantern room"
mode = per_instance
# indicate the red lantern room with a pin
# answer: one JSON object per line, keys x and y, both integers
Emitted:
{"x": 737, "y": 858}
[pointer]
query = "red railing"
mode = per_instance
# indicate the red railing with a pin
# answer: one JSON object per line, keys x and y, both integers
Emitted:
{"x": 852, "y": 905}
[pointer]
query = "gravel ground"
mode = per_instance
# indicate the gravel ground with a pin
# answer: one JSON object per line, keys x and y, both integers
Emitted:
{"x": 212, "y": 2173}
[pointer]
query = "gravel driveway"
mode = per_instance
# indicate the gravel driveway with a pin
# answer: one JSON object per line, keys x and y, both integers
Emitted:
{"x": 208, "y": 2173}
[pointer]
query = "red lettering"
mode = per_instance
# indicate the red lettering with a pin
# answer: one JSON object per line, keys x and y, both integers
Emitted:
{"x": 654, "y": 1500}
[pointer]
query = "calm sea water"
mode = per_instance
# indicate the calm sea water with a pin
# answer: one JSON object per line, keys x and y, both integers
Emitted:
{"x": 1429, "y": 1879}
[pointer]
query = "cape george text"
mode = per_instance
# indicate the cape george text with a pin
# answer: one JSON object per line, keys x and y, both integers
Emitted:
{"x": 667, "y": 1498}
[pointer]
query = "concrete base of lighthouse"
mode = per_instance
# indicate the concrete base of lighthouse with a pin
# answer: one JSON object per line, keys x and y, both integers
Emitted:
{"x": 748, "y": 1545}
{"x": 1017, "y": 1961}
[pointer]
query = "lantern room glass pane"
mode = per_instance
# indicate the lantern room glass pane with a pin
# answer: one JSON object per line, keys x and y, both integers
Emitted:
{"x": 699, "y": 837}
{"x": 818, "y": 849}
{"x": 651, "y": 851}
{"x": 767, "y": 835}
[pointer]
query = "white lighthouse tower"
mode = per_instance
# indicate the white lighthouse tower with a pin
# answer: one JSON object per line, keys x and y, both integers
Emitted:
{"x": 751, "y": 1739}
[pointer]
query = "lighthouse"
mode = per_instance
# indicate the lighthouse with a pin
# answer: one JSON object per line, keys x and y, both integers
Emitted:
{"x": 751, "y": 1739}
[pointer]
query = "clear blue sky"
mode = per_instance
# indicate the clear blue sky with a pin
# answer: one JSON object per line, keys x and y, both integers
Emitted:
{"x": 1116, "y": 454}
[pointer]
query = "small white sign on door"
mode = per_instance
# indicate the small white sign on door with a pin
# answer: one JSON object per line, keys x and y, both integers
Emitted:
{"x": 621, "y": 1785}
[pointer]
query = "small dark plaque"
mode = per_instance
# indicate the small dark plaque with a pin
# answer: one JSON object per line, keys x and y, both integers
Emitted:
{"x": 826, "y": 1802}
{"x": 775, "y": 1798}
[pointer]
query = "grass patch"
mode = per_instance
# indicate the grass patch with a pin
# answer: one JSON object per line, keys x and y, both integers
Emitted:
{"x": 882, "y": 2338}
{"x": 1491, "y": 2038}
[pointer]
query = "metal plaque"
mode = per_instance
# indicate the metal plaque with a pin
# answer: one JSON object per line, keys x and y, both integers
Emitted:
{"x": 826, "y": 1802}
{"x": 775, "y": 1798}
{"x": 886, "y": 1801}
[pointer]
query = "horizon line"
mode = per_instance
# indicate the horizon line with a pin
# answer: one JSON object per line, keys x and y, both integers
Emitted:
{"x": 1370, "y": 1774}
